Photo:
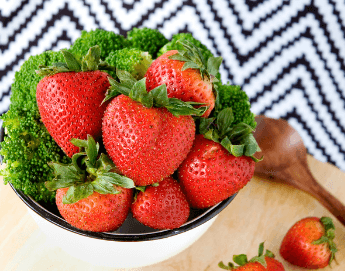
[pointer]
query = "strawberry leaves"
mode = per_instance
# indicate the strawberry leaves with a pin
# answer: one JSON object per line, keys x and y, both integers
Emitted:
{"x": 242, "y": 260}
{"x": 90, "y": 62}
{"x": 194, "y": 59}
{"x": 238, "y": 139}
{"x": 87, "y": 173}
{"x": 157, "y": 97}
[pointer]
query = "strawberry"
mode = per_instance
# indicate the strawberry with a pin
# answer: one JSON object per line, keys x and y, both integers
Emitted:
{"x": 186, "y": 76}
{"x": 69, "y": 99}
{"x": 163, "y": 206}
{"x": 220, "y": 162}
{"x": 98, "y": 212}
{"x": 309, "y": 243}
{"x": 146, "y": 143}
{"x": 262, "y": 262}
{"x": 211, "y": 174}
{"x": 90, "y": 194}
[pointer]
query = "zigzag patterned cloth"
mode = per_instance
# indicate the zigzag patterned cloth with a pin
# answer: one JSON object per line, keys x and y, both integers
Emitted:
{"x": 287, "y": 55}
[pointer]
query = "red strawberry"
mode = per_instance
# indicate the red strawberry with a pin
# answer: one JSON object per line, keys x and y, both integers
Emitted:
{"x": 70, "y": 104}
{"x": 146, "y": 144}
{"x": 211, "y": 174}
{"x": 262, "y": 262}
{"x": 90, "y": 194}
{"x": 185, "y": 84}
{"x": 309, "y": 243}
{"x": 98, "y": 212}
{"x": 163, "y": 206}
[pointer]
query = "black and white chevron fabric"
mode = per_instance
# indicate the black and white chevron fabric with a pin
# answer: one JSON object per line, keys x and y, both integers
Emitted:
{"x": 288, "y": 55}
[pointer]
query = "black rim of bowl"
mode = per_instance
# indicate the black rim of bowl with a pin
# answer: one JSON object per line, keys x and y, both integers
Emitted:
{"x": 207, "y": 215}
{"x": 125, "y": 237}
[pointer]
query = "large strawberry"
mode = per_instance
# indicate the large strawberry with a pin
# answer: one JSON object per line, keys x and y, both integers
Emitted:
{"x": 262, "y": 262}
{"x": 69, "y": 98}
{"x": 163, "y": 206}
{"x": 186, "y": 75}
{"x": 309, "y": 243}
{"x": 90, "y": 194}
{"x": 220, "y": 162}
{"x": 147, "y": 143}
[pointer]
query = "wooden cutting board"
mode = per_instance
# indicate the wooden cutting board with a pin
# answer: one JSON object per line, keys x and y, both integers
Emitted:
{"x": 262, "y": 211}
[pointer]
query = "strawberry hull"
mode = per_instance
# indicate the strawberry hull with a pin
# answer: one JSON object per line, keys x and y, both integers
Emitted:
{"x": 70, "y": 106}
{"x": 146, "y": 144}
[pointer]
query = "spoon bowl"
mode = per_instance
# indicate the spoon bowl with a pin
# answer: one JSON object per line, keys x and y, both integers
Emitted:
{"x": 285, "y": 161}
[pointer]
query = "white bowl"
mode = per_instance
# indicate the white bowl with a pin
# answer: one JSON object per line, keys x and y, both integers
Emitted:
{"x": 132, "y": 245}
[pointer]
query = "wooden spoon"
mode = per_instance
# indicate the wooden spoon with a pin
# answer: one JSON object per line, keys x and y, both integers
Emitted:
{"x": 285, "y": 161}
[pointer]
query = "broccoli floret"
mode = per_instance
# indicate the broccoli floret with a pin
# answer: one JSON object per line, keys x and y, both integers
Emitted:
{"x": 233, "y": 96}
{"x": 108, "y": 41}
{"x": 27, "y": 145}
{"x": 146, "y": 39}
{"x": 132, "y": 60}
{"x": 174, "y": 45}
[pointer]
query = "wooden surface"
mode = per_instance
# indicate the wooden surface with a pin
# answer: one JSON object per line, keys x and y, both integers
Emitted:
{"x": 262, "y": 211}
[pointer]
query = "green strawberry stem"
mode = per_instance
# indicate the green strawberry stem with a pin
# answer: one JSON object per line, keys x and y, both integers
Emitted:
{"x": 87, "y": 173}
{"x": 90, "y": 62}
{"x": 157, "y": 97}
{"x": 238, "y": 139}
{"x": 328, "y": 237}
{"x": 242, "y": 259}
{"x": 194, "y": 59}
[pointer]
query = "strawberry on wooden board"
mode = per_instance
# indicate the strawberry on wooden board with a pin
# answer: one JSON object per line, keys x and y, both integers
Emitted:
{"x": 220, "y": 162}
{"x": 69, "y": 98}
{"x": 309, "y": 243}
{"x": 262, "y": 262}
{"x": 186, "y": 75}
{"x": 163, "y": 206}
{"x": 90, "y": 194}
{"x": 147, "y": 134}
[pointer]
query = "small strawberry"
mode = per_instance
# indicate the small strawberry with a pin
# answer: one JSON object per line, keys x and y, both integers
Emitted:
{"x": 147, "y": 143}
{"x": 309, "y": 243}
{"x": 163, "y": 206}
{"x": 69, "y": 98}
{"x": 90, "y": 195}
{"x": 220, "y": 162}
{"x": 262, "y": 262}
{"x": 186, "y": 75}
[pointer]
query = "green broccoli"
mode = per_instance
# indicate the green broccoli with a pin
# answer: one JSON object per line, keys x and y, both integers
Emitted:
{"x": 108, "y": 41}
{"x": 233, "y": 96}
{"x": 174, "y": 45}
{"x": 146, "y": 39}
{"x": 132, "y": 60}
{"x": 27, "y": 145}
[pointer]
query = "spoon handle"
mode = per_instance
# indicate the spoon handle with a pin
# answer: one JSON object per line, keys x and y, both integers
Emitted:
{"x": 311, "y": 186}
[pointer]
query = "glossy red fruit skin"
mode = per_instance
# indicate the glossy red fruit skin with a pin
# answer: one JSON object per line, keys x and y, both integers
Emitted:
{"x": 162, "y": 207}
{"x": 297, "y": 247}
{"x": 185, "y": 85}
{"x": 211, "y": 174}
{"x": 272, "y": 265}
{"x": 146, "y": 144}
{"x": 70, "y": 106}
{"x": 98, "y": 212}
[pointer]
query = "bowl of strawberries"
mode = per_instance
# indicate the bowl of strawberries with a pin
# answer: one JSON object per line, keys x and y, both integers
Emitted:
{"x": 127, "y": 162}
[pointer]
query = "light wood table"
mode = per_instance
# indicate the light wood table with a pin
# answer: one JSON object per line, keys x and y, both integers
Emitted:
{"x": 262, "y": 211}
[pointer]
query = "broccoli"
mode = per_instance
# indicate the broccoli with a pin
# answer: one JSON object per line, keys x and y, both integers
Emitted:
{"x": 233, "y": 96}
{"x": 174, "y": 45}
{"x": 27, "y": 145}
{"x": 108, "y": 41}
{"x": 132, "y": 60}
{"x": 146, "y": 39}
